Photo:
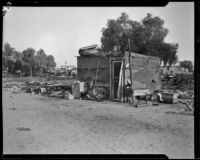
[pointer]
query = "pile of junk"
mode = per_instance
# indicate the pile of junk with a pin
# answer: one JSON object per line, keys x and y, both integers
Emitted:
{"x": 87, "y": 91}
{"x": 76, "y": 90}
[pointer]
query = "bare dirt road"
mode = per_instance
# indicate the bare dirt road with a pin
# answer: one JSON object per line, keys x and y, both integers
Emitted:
{"x": 34, "y": 124}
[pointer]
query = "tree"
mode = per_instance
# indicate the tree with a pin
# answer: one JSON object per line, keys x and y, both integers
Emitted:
{"x": 173, "y": 58}
{"x": 27, "y": 61}
{"x": 17, "y": 65}
{"x": 28, "y": 58}
{"x": 11, "y": 58}
{"x": 41, "y": 60}
{"x": 4, "y": 62}
{"x": 146, "y": 37}
{"x": 7, "y": 57}
{"x": 8, "y": 50}
{"x": 154, "y": 28}
{"x": 50, "y": 62}
{"x": 18, "y": 60}
{"x": 187, "y": 64}
{"x": 168, "y": 53}
{"x": 10, "y": 65}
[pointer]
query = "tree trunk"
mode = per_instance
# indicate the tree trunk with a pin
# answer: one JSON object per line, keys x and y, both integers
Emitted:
{"x": 12, "y": 67}
{"x": 31, "y": 71}
{"x": 42, "y": 72}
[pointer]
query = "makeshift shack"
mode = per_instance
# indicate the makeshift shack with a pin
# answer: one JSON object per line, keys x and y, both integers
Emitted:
{"x": 111, "y": 70}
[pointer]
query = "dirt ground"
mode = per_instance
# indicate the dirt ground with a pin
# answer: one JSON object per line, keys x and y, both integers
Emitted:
{"x": 35, "y": 124}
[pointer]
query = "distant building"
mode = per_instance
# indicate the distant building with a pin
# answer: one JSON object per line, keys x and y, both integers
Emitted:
{"x": 63, "y": 69}
{"x": 69, "y": 69}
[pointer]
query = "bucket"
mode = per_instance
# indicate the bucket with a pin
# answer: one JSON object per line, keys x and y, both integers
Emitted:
{"x": 169, "y": 97}
{"x": 83, "y": 87}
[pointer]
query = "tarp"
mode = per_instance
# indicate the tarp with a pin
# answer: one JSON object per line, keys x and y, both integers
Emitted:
{"x": 95, "y": 50}
{"x": 92, "y": 50}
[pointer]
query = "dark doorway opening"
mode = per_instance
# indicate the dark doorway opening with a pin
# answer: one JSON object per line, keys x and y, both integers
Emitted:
{"x": 116, "y": 67}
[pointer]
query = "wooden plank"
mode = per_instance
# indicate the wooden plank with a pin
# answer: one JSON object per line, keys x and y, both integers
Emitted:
{"x": 129, "y": 60}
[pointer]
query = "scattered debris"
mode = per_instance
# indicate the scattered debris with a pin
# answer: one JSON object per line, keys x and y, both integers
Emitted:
{"x": 96, "y": 94}
{"x": 186, "y": 95}
{"x": 49, "y": 88}
{"x": 189, "y": 104}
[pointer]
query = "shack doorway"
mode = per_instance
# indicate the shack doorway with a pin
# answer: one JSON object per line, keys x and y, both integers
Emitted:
{"x": 115, "y": 78}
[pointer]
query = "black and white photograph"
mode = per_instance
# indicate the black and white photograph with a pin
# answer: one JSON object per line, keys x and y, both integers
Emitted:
{"x": 98, "y": 80}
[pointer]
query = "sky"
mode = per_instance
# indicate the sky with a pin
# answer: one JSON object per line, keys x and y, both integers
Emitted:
{"x": 61, "y": 31}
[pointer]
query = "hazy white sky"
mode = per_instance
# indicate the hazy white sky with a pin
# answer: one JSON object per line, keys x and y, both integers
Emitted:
{"x": 61, "y": 31}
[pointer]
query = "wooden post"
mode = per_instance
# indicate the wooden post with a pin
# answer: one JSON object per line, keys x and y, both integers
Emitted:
{"x": 129, "y": 60}
{"x": 96, "y": 72}
{"x": 123, "y": 81}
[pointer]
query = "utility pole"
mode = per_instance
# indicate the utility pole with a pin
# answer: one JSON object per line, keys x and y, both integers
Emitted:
{"x": 129, "y": 61}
